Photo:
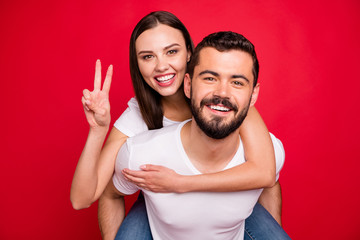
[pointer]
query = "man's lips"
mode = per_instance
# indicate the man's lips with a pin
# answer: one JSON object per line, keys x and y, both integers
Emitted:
{"x": 219, "y": 104}
{"x": 220, "y": 108}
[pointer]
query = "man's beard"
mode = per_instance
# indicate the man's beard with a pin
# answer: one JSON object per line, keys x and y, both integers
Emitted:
{"x": 215, "y": 127}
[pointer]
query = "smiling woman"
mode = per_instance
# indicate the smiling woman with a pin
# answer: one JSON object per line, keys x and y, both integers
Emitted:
{"x": 162, "y": 57}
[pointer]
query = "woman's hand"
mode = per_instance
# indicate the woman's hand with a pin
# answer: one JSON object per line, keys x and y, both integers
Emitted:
{"x": 96, "y": 103}
{"x": 154, "y": 178}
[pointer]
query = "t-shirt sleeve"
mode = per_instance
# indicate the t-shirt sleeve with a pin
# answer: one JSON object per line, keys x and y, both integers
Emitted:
{"x": 122, "y": 161}
{"x": 279, "y": 154}
{"x": 131, "y": 122}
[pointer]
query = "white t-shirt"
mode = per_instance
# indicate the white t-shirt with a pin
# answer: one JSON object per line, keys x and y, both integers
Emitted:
{"x": 194, "y": 215}
{"x": 131, "y": 122}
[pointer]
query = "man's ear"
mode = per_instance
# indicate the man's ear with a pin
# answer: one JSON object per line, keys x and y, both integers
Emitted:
{"x": 187, "y": 85}
{"x": 255, "y": 94}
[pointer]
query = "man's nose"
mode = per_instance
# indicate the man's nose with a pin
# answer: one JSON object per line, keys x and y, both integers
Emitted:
{"x": 222, "y": 89}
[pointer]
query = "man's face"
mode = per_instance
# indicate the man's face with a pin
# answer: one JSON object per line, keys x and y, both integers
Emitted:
{"x": 221, "y": 91}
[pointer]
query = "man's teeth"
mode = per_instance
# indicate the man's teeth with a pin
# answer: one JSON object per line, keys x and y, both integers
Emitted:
{"x": 165, "y": 78}
{"x": 219, "y": 108}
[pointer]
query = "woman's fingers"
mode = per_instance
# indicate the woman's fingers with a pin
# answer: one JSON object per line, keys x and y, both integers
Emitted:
{"x": 87, "y": 99}
{"x": 86, "y": 94}
{"x": 134, "y": 178}
{"x": 151, "y": 167}
{"x": 108, "y": 78}
{"x": 132, "y": 173}
{"x": 84, "y": 102}
{"x": 97, "y": 80}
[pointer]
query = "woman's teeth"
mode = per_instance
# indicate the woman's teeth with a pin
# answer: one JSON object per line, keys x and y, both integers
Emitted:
{"x": 165, "y": 78}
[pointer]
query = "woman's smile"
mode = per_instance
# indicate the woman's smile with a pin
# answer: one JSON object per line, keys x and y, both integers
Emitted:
{"x": 165, "y": 79}
{"x": 162, "y": 58}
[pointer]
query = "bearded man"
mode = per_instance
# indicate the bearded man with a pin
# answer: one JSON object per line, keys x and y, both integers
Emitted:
{"x": 221, "y": 84}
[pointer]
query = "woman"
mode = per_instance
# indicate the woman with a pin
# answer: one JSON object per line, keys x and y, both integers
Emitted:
{"x": 160, "y": 48}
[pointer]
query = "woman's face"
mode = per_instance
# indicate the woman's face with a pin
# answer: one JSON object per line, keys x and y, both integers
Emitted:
{"x": 162, "y": 57}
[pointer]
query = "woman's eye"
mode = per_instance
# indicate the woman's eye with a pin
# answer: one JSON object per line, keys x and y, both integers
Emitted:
{"x": 146, "y": 57}
{"x": 173, "y": 51}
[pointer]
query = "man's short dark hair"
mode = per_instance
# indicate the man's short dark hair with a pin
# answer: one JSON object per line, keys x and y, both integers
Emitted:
{"x": 225, "y": 41}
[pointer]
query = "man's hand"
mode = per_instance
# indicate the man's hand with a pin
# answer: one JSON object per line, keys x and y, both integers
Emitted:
{"x": 154, "y": 178}
{"x": 96, "y": 103}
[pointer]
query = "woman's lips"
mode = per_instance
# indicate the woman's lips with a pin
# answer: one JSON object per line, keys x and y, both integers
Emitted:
{"x": 165, "y": 80}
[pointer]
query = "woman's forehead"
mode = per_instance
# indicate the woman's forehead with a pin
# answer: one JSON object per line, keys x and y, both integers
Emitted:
{"x": 159, "y": 37}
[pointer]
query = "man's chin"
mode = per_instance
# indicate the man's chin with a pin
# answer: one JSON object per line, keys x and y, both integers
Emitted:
{"x": 221, "y": 122}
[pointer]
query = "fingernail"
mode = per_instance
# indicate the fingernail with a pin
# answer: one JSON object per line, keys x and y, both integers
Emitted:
{"x": 143, "y": 167}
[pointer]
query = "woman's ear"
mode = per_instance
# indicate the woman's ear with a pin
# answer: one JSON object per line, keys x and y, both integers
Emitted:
{"x": 188, "y": 56}
{"x": 187, "y": 85}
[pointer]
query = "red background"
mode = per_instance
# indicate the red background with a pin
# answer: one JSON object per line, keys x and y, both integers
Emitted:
{"x": 309, "y": 98}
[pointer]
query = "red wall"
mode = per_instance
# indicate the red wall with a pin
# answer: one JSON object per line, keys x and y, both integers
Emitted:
{"x": 308, "y": 53}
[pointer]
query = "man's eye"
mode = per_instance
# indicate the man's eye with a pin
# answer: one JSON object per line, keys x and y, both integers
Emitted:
{"x": 238, "y": 83}
{"x": 173, "y": 51}
{"x": 209, "y": 79}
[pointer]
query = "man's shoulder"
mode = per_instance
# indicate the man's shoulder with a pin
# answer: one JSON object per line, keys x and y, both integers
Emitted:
{"x": 151, "y": 136}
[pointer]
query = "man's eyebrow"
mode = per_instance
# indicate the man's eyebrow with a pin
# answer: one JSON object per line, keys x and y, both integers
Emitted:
{"x": 209, "y": 72}
{"x": 217, "y": 74}
{"x": 240, "y": 76}
{"x": 165, "y": 48}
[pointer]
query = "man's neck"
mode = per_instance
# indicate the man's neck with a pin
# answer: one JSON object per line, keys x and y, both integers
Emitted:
{"x": 208, "y": 154}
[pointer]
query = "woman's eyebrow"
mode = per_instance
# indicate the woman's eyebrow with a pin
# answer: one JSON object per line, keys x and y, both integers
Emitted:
{"x": 144, "y": 51}
{"x": 172, "y": 45}
{"x": 165, "y": 48}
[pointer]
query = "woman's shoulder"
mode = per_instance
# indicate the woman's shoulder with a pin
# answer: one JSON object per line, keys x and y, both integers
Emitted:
{"x": 131, "y": 122}
{"x": 133, "y": 104}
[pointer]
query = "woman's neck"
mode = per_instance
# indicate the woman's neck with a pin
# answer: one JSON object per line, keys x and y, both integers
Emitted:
{"x": 175, "y": 107}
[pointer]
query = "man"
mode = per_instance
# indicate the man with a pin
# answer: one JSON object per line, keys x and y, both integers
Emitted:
{"x": 222, "y": 85}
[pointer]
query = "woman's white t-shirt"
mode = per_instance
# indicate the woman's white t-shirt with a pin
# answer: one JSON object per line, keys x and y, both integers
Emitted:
{"x": 131, "y": 121}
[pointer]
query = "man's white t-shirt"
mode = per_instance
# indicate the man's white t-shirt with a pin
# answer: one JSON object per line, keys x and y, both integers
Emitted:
{"x": 195, "y": 215}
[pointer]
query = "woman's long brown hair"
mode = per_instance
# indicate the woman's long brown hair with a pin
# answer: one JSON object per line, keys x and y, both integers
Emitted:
{"x": 149, "y": 100}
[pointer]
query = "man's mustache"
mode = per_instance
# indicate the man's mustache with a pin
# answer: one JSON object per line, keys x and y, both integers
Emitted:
{"x": 218, "y": 100}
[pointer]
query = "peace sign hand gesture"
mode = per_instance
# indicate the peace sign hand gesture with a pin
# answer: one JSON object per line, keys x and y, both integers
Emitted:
{"x": 96, "y": 103}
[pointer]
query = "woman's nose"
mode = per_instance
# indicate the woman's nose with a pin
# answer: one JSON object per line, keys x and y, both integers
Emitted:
{"x": 162, "y": 64}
